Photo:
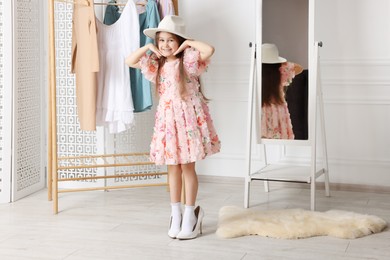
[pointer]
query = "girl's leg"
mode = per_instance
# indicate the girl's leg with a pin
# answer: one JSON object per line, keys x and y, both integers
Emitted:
{"x": 191, "y": 190}
{"x": 175, "y": 183}
{"x": 190, "y": 182}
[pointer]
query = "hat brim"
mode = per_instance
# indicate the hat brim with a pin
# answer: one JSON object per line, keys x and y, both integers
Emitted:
{"x": 274, "y": 61}
{"x": 151, "y": 32}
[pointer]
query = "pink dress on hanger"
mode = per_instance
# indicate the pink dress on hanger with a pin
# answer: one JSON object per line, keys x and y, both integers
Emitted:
{"x": 275, "y": 118}
{"x": 183, "y": 130}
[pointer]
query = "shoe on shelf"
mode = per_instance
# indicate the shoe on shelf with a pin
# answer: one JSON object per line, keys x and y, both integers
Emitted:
{"x": 197, "y": 227}
{"x": 173, "y": 232}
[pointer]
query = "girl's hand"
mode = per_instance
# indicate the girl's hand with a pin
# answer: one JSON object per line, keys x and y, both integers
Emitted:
{"x": 182, "y": 47}
{"x": 206, "y": 50}
{"x": 153, "y": 48}
{"x": 133, "y": 59}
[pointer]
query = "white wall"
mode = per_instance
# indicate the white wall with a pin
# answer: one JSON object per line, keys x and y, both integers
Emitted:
{"x": 355, "y": 63}
{"x": 356, "y": 80}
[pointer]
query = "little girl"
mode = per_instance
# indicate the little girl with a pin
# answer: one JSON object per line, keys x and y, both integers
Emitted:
{"x": 277, "y": 74}
{"x": 183, "y": 131}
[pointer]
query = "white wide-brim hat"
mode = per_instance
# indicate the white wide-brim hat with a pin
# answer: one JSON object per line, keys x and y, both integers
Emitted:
{"x": 171, "y": 24}
{"x": 270, "y": 54}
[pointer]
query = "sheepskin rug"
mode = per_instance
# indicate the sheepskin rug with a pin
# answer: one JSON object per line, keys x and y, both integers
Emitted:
{"x": 296, "y": 223}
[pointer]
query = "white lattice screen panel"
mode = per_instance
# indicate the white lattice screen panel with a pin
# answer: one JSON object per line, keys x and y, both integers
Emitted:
{"x": 28, "y": 170}
{"x": 72, "y": 141}
{"x": 5, "y": 100}
{"x": 2, "y": 97}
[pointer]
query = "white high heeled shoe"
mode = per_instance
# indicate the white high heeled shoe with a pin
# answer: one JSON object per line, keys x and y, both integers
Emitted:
{"x": 197, "y": 227}
{"x": 172, "y": 233}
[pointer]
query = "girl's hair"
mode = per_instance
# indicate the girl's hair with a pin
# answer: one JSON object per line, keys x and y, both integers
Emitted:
{"x": 183, "y": 76}
{"x": 270, "y": 85}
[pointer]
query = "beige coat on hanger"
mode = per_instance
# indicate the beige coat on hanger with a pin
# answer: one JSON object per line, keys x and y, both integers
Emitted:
{"x": 85, "y": 63}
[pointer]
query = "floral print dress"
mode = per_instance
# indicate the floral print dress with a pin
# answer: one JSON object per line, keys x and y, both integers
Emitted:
{"x": 183, "y": 130}
{"x": 275, "y": 118}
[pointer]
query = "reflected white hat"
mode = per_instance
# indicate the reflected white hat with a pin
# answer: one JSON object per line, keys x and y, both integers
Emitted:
{"x": 172, "y": 24}
{"x": 270, "y": 54}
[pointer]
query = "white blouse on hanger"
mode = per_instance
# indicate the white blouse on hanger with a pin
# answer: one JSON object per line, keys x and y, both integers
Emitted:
{"x": 114, "y": 107}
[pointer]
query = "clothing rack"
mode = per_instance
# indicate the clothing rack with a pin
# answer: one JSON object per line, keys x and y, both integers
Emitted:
{"x": 56, "y": 163}
{"x": 121, "y": 4}
{"x": 86, "y": 3}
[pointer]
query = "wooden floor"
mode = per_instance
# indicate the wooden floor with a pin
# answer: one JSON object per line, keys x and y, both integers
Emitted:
{"x": 132, "y": 224}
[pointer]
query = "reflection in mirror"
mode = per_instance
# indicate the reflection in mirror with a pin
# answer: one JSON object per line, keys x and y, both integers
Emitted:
{"x": 284, "y": 78}
{"x": 277, "y": 75}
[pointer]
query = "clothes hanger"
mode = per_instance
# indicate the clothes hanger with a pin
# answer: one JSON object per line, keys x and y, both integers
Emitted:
{"x": 86, "y": 3}
{"x": 76, "y": 2}
{"x": 122, "y": 4}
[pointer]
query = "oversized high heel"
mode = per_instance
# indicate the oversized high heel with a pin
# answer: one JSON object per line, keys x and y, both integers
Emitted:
{"x": 197, "y": 227}
{"x": 172, "y": 233}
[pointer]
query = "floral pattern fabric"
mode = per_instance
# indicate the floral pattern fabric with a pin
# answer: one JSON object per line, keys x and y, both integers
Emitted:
{"x": 183, "y": 130}
{"x": 275, "y": 118}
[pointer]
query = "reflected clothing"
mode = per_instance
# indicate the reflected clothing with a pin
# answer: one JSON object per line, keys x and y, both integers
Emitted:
{"x": 297, "y": 97}
{"x": 140, "y": 87}
{"x": 275, "y": 118}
